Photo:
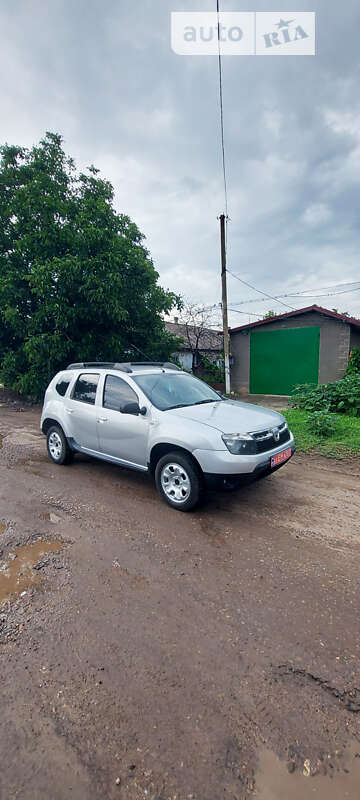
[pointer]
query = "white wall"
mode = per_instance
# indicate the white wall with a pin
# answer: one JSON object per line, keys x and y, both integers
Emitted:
{"x": 185, "y": 359}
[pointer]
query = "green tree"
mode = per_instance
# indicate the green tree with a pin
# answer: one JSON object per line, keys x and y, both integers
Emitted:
{"x": 76, "y": 282}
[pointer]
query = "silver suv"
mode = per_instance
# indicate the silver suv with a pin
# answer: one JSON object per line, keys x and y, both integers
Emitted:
{"x": 156, "y": 418}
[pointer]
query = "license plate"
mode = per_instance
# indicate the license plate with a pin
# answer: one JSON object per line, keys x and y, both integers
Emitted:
{"x": 281, "y": 457}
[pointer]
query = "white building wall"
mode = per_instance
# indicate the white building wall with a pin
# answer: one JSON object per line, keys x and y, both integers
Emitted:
{"x": 185, "y": 359}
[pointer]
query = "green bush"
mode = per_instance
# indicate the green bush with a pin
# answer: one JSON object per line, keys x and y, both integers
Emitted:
{"x": 321, "y": 423}
{"x": 211, "y": 372}
{"x": 353, "y": 367}
{"x": 340, "y": 397}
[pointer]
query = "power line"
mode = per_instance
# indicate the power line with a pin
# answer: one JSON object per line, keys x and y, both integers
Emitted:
{"x": 333, "y": 286}
{"x": 246, "y": 313}
{"x": 222, "y": 112}
{"x": 329, "y": 294}
{"x": 299, "y": 295}
{"x": 269, "y": 296}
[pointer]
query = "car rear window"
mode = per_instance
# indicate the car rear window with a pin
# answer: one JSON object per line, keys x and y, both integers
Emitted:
{"x": 62, "y": 386}
{"x": 85, "y": 388}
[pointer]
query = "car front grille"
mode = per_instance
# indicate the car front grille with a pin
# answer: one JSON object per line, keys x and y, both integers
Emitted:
{"x": 269, "y": 443}
{"x": 265, "y": 441}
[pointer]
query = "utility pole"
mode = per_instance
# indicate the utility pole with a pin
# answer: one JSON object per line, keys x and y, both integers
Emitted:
{"x": 224, "y": 305}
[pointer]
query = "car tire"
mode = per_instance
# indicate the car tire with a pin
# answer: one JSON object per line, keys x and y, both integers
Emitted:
{"x": 57, "y": 446}
{"x": 179, "y": 481}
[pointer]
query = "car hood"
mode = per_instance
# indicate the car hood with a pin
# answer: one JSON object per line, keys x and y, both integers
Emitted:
{"x": 231, "y": 416}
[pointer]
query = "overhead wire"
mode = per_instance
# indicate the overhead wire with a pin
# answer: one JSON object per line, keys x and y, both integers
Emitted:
{"x": 298, "y": 295}
{"x": 269, "y": 296}
{"x": 328, "y": 294}
{"x": 246, "y": 313}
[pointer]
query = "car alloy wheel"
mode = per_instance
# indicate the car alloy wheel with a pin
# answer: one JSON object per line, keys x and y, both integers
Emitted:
{"x": 175, "y": 483}
{"x": 55, "y": 445}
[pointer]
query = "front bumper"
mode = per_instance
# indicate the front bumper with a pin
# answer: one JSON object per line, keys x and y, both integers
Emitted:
{"x": 224, "y": 463}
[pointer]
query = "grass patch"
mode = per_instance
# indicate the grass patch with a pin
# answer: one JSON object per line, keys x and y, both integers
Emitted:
{"x": 343, "y": 443}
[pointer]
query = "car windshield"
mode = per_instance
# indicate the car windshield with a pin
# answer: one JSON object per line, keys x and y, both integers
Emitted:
{"x": 175, "y": 390}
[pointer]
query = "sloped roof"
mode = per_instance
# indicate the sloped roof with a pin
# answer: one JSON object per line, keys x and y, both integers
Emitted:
{"x": 207, "y": 340}
{"x": 319, "y": 309}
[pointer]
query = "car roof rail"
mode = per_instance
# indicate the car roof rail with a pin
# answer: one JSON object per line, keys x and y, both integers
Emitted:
{"x": 162, "y": 364}
{"x": 101, "y": 365}
{"x": 170, "y": 365}
{"x": 122, "y": 367}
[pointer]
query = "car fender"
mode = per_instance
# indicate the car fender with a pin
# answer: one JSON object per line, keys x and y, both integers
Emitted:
{"x": 54, "y": 410}
{"x": 183, "y": 433}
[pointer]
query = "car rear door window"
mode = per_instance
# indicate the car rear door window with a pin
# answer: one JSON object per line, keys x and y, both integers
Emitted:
{"x": 117, "y": 392}
{"x": 85, "y": 388}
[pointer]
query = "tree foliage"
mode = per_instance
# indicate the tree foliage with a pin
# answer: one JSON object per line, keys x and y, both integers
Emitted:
{"x": 76, "y": 282}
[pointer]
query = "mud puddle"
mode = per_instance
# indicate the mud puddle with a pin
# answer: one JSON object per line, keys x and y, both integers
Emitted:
{"x": 18, "y": 571}
{"x": 22, "y": 436}
{"x": 275, "y": 782}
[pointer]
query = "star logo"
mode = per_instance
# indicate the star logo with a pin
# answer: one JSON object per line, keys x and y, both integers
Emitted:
{"x": 284, "y": 23}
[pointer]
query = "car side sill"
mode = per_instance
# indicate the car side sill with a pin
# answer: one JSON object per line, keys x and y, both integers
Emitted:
{"x": 104, "y": 457}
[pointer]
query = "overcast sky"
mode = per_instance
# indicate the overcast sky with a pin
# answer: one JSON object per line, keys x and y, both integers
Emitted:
{"x": 104, "y": 76}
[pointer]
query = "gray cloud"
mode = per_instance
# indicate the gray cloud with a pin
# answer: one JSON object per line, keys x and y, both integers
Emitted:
{"x": 104, "y": 75}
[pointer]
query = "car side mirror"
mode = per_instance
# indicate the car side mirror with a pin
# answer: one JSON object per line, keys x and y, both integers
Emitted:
{"x": 130, "y": 408}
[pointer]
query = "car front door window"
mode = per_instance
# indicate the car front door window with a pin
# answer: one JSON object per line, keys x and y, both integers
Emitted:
{"x": 117, "y": 393}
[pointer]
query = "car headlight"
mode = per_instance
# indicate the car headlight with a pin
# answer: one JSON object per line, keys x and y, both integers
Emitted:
{"x": 239, "y": 443}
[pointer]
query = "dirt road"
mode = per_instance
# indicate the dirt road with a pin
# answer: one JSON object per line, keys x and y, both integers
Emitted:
{"x": 146, "y": 653}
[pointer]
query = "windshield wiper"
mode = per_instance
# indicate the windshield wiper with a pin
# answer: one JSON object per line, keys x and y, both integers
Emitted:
{"x": 200, "y": 402}
{"x": 189, "y": 405}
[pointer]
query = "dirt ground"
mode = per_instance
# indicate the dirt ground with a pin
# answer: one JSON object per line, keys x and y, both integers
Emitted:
{"x": 146, "y": 653}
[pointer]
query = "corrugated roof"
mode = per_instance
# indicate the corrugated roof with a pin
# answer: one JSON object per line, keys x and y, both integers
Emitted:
{"x": 319, "y": 309}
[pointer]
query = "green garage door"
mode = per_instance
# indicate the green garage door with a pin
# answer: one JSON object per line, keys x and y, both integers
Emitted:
{"x": 281, "y": 359}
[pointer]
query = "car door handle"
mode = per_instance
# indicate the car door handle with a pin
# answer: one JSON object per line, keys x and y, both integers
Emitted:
{"x": 102, "y": 419}
{"x": 69, "y": 410}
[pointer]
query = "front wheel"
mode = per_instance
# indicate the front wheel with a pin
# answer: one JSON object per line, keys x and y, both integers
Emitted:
{"x": 57, "y": 446}
{"x": 179, "y": 481}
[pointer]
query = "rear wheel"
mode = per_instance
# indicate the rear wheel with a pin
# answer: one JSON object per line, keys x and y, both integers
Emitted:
{"x": 179, "y": 481}
{"x": 57, "y": 446}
